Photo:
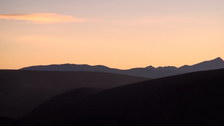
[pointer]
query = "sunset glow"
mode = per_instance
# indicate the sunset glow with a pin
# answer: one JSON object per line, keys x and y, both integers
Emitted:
{"x": 119, "y": 33}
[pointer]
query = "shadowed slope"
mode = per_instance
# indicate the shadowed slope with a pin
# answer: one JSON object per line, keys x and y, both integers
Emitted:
{"x": 193, "y": 99}
{"x": 65, "y": 99}
{"x": 21, "y": 91}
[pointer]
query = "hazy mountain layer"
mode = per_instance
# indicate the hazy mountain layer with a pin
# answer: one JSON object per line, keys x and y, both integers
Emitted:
{"x": 149, "y": 72}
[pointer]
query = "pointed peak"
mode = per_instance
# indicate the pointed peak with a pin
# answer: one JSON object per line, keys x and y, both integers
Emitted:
{"x": 218, "y": 59}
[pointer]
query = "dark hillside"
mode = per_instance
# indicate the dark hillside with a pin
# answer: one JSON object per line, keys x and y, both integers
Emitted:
{"x": 194, "y": 99}
{"x": 21, "y": 91}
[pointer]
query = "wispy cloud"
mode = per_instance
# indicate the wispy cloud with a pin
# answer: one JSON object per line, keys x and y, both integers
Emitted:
{"x": 42, "y": 18}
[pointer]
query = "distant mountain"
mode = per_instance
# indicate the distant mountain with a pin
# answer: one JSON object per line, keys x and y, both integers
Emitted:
{"x": 206, "y": 65}
{"x": 193, "y": 99}
{"x": 149, "y": 72}
{"x": 22, "y": 91}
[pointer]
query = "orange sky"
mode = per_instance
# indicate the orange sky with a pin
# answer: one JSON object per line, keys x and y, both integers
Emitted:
{"x": 121, "y": 34}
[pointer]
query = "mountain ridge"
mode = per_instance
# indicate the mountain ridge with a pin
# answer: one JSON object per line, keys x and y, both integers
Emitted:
{"x": 148, "y": 71}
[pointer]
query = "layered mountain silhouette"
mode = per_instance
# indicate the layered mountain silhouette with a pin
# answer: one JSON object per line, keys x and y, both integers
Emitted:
{"x": 149, "y": 72}
{"x": 85, "y": 95}
{"x": 193, "y": 99}
{"x": 22, "y": 91}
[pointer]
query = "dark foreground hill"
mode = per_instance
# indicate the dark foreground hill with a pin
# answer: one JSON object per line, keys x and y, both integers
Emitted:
{"x": 194, "y": 99}
{"x": 21, "y": 91}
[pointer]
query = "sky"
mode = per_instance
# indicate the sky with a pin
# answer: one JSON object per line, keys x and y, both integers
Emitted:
{"x": 116, "y": 33}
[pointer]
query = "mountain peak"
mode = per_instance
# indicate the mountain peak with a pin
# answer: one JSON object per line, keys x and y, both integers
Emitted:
{"x": 218, "y": 59}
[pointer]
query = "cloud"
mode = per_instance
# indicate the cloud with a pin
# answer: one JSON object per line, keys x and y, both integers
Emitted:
{"x": 42, "y": 18}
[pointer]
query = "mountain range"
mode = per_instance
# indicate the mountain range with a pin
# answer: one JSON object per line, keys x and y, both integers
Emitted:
{"x": 148, "y": 72}
{"x": 85, "y": 96}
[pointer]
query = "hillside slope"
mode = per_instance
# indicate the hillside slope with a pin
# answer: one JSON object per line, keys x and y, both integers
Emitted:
{"x": 194, "y": 99}
{"x": 21, "y": 91}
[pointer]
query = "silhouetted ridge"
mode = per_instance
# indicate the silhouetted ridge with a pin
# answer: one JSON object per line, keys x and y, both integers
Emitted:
{"x": 216, "y": 63}
{"x": 149, "y": 71}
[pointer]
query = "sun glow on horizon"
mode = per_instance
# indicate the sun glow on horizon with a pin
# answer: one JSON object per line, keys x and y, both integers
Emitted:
{"x": 110, "y": 33}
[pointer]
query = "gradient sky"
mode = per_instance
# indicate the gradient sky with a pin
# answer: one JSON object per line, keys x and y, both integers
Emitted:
{"x": 115, "y": 33}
